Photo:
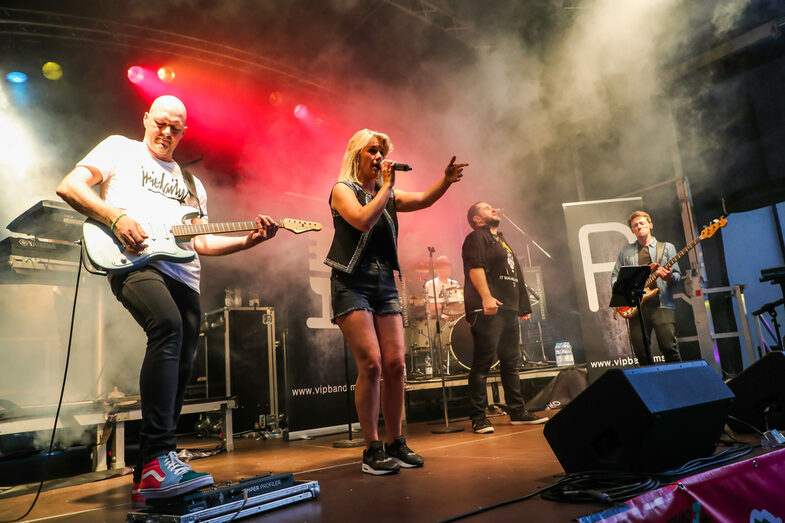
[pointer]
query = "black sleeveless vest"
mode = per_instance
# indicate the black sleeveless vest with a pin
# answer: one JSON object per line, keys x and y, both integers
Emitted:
{"x": 349, "y": 243}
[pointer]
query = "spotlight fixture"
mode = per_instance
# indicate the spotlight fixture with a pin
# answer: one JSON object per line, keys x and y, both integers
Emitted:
{"x": 135, "y": 74}
{"x": 16, "y": 77}
{"x": 166, "y": 74}
{"x": 300, "y": 111}
{"x": 275, "y": 98}
{"x": 52, "y": 71}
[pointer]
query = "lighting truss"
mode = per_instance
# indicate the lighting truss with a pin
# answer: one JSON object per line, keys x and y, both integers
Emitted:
{"x": 59, "y": 26}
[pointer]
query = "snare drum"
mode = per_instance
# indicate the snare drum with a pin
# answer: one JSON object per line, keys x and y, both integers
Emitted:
{"x": 457, "y": 340}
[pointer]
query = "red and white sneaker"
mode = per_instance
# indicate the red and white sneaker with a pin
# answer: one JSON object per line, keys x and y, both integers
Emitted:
{"x": 167, "y": 476}
{"x": 137, "y": 501}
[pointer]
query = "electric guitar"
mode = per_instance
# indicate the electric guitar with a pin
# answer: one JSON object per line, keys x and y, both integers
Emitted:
{"x": 650, "y": 287}
{"x": 105, "y": 251}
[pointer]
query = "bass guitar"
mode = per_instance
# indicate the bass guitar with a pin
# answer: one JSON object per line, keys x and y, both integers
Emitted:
{"x": 106, "y": 252}
{"x": 650, "y": 287}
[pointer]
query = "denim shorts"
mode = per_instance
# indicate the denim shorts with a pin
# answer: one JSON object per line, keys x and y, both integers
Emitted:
{"x": 370, "y": 288}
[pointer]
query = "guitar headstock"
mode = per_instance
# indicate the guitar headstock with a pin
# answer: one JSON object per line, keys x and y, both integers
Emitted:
{"x": 299, "y": 226}
{"x": 715, "y": 226}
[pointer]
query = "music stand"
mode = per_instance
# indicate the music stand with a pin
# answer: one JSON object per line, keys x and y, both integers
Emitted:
{"x": 628, "y": 291}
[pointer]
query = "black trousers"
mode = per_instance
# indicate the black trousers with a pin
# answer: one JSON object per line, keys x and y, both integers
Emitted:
{"x": 169, "y": 313}
{"x": 663, "y": 322}
{"x": 495, "y": 336}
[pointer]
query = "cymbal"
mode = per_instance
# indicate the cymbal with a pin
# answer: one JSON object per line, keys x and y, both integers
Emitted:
{"x": 425, "y": 265}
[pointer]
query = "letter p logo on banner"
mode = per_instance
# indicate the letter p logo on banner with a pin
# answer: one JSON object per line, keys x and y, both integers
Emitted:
{"x": 590, "y": 268}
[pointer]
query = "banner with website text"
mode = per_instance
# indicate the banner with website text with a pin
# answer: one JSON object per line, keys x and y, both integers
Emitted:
{"x": 596, "y": 232}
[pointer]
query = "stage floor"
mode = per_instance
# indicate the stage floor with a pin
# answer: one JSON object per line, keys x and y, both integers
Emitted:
{"x": 463, "y": 471}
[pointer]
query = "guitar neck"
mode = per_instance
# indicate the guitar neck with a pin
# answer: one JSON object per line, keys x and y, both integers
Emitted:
{"x": 185, "y": 231}
{"x": 673, "y": 260}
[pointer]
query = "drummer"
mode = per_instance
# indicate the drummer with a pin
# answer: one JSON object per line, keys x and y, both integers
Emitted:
{"x": 447, "y": 289}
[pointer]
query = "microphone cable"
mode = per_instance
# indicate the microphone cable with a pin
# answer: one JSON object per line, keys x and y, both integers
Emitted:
{"x": 608, "y": 487}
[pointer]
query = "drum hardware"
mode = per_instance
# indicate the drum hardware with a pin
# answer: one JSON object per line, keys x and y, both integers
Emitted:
{"x": 416, "y": 307}
{"x": 452, "y": 300}
{"x": 446, "y": 429}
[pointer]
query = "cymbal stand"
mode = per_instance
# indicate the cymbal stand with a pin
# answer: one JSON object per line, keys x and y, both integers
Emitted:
{"x": 528, "y": 238}
{"x": 447, "y": 428}
{"x": 407, "y": 318}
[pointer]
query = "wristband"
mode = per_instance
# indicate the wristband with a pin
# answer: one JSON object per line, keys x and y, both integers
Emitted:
{"x": 115, "y": 221}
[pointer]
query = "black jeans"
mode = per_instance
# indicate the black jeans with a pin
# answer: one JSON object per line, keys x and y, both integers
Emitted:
{"x": 662, "y": 321}
{"x": 169, "y": 313}
{"x": 495, "y": 336}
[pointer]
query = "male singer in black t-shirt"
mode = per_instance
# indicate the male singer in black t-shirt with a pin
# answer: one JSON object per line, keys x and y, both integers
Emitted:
{"x": 495, "y": 296}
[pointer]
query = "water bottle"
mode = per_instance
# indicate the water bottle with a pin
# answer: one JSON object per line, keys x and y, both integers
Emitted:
{"x": 428, "y": 367}
{"x": 568, "y": 353}
{"x": 564, "y": 356}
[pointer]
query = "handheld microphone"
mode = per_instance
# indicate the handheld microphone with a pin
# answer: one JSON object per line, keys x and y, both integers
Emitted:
{"x": 401, "y": 167}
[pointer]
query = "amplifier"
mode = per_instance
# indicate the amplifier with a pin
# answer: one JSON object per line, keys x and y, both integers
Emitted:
{"x": 240, "y": 360}
{"x": 37, "y": 261}
{"x": 41, "y": 249}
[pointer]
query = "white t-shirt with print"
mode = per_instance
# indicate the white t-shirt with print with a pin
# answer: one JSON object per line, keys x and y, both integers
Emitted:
{"x": 149, "y": 190}
{"x": 440, "y": 286}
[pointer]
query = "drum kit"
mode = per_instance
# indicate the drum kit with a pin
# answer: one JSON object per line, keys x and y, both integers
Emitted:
{"x": 452, "y": 351}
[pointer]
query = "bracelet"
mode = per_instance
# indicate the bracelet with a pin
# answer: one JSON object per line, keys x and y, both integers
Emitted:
{"x": 115, "y": 221}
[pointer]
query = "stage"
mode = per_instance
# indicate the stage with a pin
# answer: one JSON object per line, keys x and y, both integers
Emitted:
{"x": 463, "y": 472}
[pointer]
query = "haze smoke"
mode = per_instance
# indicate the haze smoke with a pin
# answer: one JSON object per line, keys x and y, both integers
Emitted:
{"x": 578, "y": 107}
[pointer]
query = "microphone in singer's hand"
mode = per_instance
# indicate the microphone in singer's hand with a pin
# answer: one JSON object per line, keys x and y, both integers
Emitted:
{"x": 401, "y": 167}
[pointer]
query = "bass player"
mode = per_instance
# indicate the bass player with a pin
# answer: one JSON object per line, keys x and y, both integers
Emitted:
{"x": 658, "y": 308}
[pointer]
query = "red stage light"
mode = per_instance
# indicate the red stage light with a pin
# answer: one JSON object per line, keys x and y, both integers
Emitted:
{"x": 135, "y": 74}
{"x": 300, "y": 111}
{"x": 275, "y": 98}
{"x": 166, "y": 74}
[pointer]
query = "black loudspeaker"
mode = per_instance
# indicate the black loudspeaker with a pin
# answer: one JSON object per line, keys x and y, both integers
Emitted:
{"x": 647, "y": 419}
{"x": 760, "y": 395}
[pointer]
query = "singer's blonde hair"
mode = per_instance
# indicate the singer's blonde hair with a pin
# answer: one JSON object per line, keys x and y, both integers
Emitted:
{"x": 351, "y": 158}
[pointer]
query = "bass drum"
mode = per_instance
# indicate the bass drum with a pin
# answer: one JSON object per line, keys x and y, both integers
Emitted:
{"x": 458, "y": 342}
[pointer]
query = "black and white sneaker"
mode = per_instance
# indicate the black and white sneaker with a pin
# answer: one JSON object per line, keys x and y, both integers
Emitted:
{"x": 482, "y": 425}
{"x": 527, "y": 418}
{"x": 400, "y": 452}
{"x": 377, "y": 462}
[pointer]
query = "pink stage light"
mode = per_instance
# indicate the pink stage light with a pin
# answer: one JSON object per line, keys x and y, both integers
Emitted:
{"x": 135, "y": 74}
{"x": 300, "y": 111}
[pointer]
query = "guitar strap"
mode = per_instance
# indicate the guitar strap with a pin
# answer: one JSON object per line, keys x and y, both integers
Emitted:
{"x": 191, "y": 185}
{"x": 660, "y": 251}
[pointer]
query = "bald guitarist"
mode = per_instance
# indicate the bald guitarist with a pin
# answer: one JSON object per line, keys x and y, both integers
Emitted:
{"x": 138, "y": 180}
{"x": 658, "y": 309}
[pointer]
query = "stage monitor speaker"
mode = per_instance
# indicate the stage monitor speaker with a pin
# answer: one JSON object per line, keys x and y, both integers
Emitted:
{"x": 646, "y": 419}
{"x": 760, "y": 395}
